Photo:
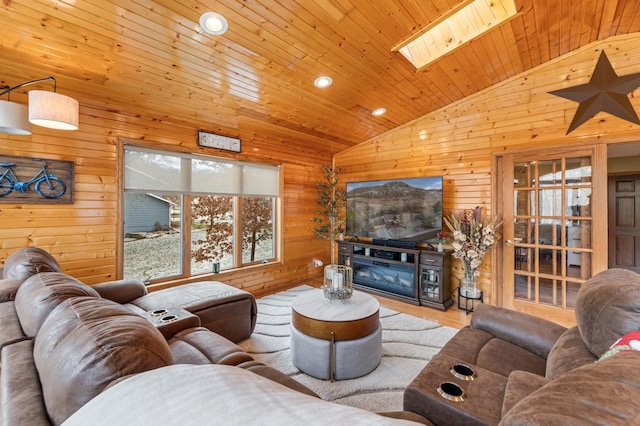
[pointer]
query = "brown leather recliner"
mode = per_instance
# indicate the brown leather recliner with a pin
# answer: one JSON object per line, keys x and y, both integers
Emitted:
{"x": 530, "y": 371}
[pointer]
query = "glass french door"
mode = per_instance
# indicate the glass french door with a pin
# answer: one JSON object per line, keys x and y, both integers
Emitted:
{"x": 550, "y": 210}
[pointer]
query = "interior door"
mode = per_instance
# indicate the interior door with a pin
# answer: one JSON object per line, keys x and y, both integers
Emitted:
{"x": 624, "y": 222}
{"x": 550, "y": 209}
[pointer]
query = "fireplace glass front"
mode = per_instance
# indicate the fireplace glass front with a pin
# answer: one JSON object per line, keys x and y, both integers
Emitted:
{"x": 390, "y": 277}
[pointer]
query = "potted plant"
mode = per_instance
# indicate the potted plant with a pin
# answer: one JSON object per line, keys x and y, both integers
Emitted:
{"x": 442, "y": 238}
{"x": 332, "y": 203}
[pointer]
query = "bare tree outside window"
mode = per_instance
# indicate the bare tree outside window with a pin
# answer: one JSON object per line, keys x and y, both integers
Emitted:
{"x": 215, "y": 213}
{"x": 257, "y": 227}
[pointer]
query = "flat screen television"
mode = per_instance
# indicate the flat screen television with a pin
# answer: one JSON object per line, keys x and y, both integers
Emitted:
{"x": 398, "y": 209}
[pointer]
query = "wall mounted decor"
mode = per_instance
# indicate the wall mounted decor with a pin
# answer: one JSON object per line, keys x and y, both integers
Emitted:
{"x": 212, "y": 140}
{"x": 35, "y": 180}
{"x": 606, "y": 91}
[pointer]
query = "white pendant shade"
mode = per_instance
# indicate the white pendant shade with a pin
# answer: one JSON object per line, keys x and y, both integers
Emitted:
{"x": 14, "y": 118}
{"x": 53, "y": 110}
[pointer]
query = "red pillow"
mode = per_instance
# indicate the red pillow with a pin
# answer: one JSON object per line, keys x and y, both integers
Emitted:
{"x": 627, "y": 343}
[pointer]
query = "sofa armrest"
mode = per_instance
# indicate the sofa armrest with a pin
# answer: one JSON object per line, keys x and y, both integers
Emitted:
{"x": 121, "y": 291}
{"x": 537, "y": 335}
{"x": 520, "y": 384}
{"x": 601, "y": 393}
{"x": 8, "y": 289}
{"x": 21, "y": 400}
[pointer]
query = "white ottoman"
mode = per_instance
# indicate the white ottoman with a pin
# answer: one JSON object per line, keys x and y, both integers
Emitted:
{"x": 353, "y": 358}
{"x": 335, "y": 340}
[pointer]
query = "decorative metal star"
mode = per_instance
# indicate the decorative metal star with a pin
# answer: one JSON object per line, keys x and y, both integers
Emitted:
{"x": 605, "y": 92}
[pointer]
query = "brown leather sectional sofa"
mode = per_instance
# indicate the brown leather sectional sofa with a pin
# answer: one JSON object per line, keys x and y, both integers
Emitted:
{"x": 529, "y": 371}
{"x": 65, "y": 344}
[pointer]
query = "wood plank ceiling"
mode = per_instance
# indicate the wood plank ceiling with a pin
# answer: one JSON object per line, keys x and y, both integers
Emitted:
{"x": 150, "y": 57}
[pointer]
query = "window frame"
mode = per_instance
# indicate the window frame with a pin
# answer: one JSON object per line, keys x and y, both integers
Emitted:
{"x": 187, "y": 274}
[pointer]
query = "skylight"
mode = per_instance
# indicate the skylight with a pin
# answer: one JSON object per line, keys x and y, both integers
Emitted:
{"x": 461, "y": 25}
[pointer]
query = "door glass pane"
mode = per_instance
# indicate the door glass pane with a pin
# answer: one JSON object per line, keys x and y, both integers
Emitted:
{"x": 578, "y": 264}
{"x": 578, "y": 171}
{"x": 549, "y": 232}
{"x": 550, "y": 261}
{"x": 550, "y": 172}
{"x": 524, "y": 287}
{"x": 572, "y": 292}
{"x": 550, "y": 202}
{"x": 524, "y": 202}
{"x": 522, "y": 230}
{"x": 522, "y": 175}
{"x": 578, "y": 202}
{"x": 524, "y": 260}
{"x": 579, "y": 234}
{"x": 152, "y": 245}
{"x": 550, "y": 292}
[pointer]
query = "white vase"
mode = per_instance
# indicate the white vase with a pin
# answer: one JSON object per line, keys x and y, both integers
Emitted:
{"x": 440, "y": 248}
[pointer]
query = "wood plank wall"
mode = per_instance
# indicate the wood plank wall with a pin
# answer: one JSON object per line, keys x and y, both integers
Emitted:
{"x": 83, "y": 236}
{"x": 458, "y": 141}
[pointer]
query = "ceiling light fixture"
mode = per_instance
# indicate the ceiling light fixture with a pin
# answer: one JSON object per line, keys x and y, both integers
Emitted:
{"x": 322, "y": 82}
{"x": 378, "y": 111}
{"x": 213, "y": 23}
{"x": 46, "y": 109}
{"x": 459, "y": 26}
{"x": 14, "y": 118}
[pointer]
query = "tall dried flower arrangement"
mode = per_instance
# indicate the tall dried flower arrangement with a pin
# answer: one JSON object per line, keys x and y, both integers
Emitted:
{"x": 473, "y": 236}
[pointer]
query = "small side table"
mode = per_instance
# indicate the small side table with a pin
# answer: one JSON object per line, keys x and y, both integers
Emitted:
{"x": 468, "y": 300}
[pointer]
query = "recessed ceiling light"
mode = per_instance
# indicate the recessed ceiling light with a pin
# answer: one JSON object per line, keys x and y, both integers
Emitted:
{"x": 323, "y": 81}
{"x": 213, "y": 23}
{"x": 378, "y": 111}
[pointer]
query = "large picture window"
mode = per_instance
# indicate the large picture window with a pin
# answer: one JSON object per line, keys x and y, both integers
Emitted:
{"x": 186, "y": 215}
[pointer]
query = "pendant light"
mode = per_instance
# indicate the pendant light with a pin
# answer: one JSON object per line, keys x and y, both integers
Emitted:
{"x": 14, "y": 118}
{"x": 46, "y": 109}
{"x": 53, "y": 110}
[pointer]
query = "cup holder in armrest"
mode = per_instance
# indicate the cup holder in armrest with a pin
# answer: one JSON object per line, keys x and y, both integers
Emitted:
{"x": 451, "y": 392}
{"x": 463, "y": 372}
{"x": 172, "y": 320}
{"x": 168, "y": 318}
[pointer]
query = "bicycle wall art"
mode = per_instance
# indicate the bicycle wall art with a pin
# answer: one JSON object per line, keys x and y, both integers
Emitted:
{"x": 35, "y": 180}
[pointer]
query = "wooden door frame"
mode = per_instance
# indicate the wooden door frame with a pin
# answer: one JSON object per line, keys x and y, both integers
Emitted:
{"x": 599, "y": 206}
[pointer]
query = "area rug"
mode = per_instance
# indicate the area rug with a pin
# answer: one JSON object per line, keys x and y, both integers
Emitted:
{"x": 408, "y": 343}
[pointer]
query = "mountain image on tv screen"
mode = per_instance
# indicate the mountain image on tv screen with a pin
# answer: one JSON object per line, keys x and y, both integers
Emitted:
{"x": 400, "y": 209}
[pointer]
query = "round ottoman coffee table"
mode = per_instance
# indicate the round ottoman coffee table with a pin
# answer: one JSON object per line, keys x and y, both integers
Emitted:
{"x": 336, "y": 339}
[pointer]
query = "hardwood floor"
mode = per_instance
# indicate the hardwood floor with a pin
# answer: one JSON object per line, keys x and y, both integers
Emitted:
{"x": 452, "y": 317}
